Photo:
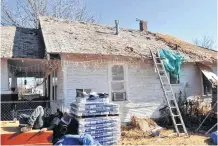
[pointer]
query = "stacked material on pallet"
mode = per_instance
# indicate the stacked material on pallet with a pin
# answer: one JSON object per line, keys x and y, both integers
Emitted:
{"x": 99, "y": 118}
{"x": 94, "y": 109}
{"x": 106, "y": 130}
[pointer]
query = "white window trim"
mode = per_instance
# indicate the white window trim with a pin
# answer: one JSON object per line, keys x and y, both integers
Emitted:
{"x": 125, "y": 79}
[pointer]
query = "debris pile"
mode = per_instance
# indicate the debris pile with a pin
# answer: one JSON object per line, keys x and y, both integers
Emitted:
{"x": 97, "y": 117}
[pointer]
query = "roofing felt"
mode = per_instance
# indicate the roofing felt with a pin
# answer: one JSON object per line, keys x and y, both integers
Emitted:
{"x": 19, "y": 42}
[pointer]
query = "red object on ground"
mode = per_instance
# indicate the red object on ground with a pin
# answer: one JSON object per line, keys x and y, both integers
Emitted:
{"x": 11, "y": 135}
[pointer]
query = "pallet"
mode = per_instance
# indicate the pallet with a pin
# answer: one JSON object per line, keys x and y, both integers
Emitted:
{"x": 11, "y": 135}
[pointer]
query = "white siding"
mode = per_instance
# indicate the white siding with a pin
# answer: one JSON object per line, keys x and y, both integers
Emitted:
{"x": 4, "y": 76}
{"x": 145, "y": 95}
{"x": 190, "y": 80}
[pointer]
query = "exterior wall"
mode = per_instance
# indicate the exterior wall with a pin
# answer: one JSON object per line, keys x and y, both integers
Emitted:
{"x": 4, "y": 77}
{"x": 190, "y": 81}
{"x": 144, "y": 95}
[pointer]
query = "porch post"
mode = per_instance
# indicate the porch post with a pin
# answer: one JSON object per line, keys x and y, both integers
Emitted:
{"x": 51, "y": 86}
{"x": 44, "y": 88}
{"x": 13, "y": 82}
{"x": 4, "y": 75}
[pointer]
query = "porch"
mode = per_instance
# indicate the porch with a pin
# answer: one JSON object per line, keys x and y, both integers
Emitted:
{"x": 27, "y": 84}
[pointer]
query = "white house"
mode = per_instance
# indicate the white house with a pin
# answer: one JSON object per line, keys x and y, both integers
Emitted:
{"x": 93, "y": 56}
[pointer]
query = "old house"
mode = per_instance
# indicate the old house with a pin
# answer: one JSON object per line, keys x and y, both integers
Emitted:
{"x": 116, "y": 61}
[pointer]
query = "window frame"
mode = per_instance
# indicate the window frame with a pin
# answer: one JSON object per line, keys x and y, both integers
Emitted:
{"x": 178, "y": 80}
{"x": 205, "y": 81}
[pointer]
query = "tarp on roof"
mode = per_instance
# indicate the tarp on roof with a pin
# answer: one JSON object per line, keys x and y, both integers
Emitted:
{"x": 172, "y": 62}
{"x": 208, "y": 72}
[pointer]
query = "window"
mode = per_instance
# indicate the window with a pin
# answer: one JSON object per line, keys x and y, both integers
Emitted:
{"x": 206, "y": 85}
{"x": 118, "y": 87}
{"x": 174, "y": 80}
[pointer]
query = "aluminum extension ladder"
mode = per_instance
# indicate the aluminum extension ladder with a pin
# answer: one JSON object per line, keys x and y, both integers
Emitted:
{"x": 169, "y": 95}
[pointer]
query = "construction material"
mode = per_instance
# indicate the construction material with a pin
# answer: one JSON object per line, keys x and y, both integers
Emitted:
{"x": 99, "y": 118}
{"x": 168, "y": 93}
{"x": 133, "y": 136}
{"x": 11, "y": 135}
{"x": 144, "y": 124}
{"x": 206, "y": 117}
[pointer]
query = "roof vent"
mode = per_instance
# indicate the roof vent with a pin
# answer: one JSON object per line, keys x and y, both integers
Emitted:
{"x": 142, "y": 24}
{"x": 117, "y": 26}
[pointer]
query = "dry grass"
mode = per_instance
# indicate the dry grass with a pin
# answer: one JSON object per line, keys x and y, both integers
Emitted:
{"x": 137, "y": 137}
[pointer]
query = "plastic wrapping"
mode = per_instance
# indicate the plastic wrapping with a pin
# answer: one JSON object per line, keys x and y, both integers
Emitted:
{"x": 172, "y": 62}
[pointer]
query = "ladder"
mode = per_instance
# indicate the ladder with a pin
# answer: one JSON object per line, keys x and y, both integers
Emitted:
{"x": 169, "y": 95}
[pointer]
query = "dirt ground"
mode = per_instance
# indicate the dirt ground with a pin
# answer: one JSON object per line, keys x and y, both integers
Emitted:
{"x": 137, "y": 137}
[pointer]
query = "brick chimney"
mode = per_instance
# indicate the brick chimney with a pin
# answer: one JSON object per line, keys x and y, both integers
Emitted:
{"x": 142, "y": 25}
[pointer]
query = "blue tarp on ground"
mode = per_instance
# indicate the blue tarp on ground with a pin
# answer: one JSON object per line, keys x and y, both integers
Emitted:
{"x": 172, "y": 62}
{"x": 84, "y": 139}
{"x": 214, "y": 136}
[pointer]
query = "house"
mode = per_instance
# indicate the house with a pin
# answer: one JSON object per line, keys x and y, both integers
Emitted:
{"x": 95, "y": 57}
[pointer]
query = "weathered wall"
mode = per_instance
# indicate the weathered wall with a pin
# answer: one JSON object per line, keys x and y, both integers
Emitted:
{"x": 4, "y": 77}
{"x": 190, "y": 80}
{"x": 145, "y": 95}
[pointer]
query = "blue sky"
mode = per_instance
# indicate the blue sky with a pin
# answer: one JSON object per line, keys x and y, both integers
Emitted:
{"x": 185, "y": 19}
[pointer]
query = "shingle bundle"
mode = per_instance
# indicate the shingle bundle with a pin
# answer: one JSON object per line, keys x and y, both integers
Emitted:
{"x": 98, "y": 117}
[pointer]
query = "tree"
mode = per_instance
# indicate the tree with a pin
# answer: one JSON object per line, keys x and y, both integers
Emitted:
{"x": 205, "y": 42}
{"x": 26, "y": 12}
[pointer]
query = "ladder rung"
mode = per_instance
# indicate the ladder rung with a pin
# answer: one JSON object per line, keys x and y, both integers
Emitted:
{"x": 172, "y": 107}
{"x": 176, "y": 115}
{"x": 159, "y": 63}
{"x": 168, "y": 91}
{"x": 183, "y": 134}
{"x": 179, "y": 124}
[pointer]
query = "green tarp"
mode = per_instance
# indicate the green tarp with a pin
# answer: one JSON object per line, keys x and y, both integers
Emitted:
{"x": 172, "y": 62}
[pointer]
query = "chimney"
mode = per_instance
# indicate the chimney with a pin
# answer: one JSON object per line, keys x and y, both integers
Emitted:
{"x": 117, "y": 26}
{"x": 142, "y": 25}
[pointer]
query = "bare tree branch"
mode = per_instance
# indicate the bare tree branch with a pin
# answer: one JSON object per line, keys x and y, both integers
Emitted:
{"x": 205, "y": 42}
{"x": 27, "y": 12}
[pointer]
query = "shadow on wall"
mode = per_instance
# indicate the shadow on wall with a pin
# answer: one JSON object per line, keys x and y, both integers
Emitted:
{"x": 146, "y": 109}
{"x": 156, "y": 109}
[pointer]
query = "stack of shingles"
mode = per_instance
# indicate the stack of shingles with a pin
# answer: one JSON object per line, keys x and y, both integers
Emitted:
{"x": 99, "y": 118}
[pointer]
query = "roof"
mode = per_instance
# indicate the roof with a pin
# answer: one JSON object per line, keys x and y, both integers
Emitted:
{"x": 21, "y": 43}
{"x": 63, "y": 36}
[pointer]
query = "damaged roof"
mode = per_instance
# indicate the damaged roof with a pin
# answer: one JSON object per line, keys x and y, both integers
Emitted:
{"x": 19, "y": 42}
{"x": 64, "y": 36}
